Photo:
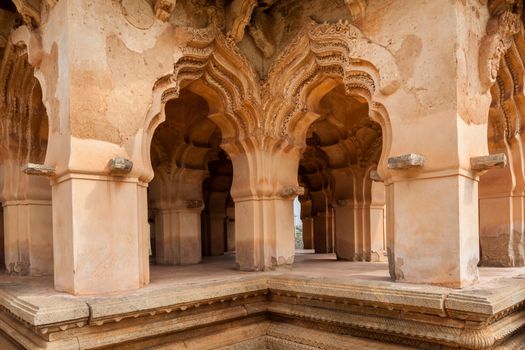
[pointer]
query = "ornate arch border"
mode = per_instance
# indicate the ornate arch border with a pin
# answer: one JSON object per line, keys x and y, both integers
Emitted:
{"x": 322, "y": 57}
{"x": 213, "y": 67}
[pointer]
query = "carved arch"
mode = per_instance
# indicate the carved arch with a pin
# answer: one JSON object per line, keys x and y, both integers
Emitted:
{"x": 213, "y": 67}
{"x": 321, "y": 58}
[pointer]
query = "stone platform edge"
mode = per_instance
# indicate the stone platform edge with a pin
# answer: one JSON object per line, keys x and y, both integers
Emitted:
{"x": 493, "y": 311}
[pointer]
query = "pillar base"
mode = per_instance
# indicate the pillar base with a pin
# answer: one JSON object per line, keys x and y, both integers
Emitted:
{"x": 435, "y": 236}
{"x": 501, "y": 242}
{"x": 264, "y": 234}
{"x": 98, "y": 243}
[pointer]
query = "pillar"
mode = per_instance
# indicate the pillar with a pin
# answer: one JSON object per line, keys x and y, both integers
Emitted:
{"x": 431, "y": 185}
{"x": 501, "y": 210}
{"x": 308, "y": 232}
{"x": 378, "y": 223}
{"x": 176, "y": 196}
{"x": 27, "y": 222}
{"x": 28, "y": 237}
{"x": 217, "y": 202}
{"x": 263, "y": 189}
{"x": 346, "y": 247}
{"x": 353, "y": 234}
{"x": 96, "y": 220}
{"x": 230, "y": 229}
{"x": 320, "y": 233}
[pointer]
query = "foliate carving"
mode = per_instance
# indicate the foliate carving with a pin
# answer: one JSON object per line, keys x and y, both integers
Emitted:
{"x": 210, "y": 56}
{"x": 164, "y": 9}
{"x": 500, "y": 29}
{"x": 337, "y": 50}
{"x": 334, "y": 30}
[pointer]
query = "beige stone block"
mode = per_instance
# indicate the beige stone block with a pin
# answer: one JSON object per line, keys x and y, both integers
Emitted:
{"x": 96, "y": 242}
{"x": 442, "y": 246}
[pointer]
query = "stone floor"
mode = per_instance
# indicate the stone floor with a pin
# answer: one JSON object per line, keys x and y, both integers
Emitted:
{"x": 355, "y": 295}
{"x": 213, "y": 269}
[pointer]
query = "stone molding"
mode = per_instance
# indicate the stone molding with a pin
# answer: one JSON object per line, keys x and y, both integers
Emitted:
{"x": 474, "y": 318}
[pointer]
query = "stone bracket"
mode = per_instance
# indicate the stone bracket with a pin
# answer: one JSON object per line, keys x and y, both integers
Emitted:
{"x": 38, "y": 169}
{"x": 374, "y": 176}
{"x": 498, "y": 160}
{"x": 120, "y": 166}
{"x": 291, "y": 191}
{"x": 406, "y": 161}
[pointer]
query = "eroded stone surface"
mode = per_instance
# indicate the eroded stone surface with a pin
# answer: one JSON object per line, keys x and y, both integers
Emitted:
{"x": 215, "y": 114}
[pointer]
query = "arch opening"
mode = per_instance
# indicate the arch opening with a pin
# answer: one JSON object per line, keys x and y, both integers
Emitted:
{"x": 27, "y": 235}
{"x": 189, "y": 206}
{"x": 342, "y": 208}
{"x": 502, "y": 190}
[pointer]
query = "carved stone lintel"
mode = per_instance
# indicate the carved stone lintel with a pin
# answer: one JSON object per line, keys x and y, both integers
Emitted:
{"x": 291, "y": 191}
{"x": 374, "y": 176}
{"x": 193, "y": 203}
{"x": 38, "y": 169}
{"x": 498, "y": 160}
{"x": 406, "y": 161}
{"x": 120, "y": 166}
{"x": 164, "y": 9}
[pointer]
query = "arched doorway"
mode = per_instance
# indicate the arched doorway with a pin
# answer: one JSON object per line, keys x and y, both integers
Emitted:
{"x": 343, "y": 147}
{"x": 192, "y": 178}
{"x": 27, "y": 237}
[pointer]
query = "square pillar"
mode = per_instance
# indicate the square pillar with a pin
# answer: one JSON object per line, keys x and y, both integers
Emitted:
{"x": 501, "y": 211}
{"x": 264, "y": 234}
{"x": 345, "y": 245}
{"x": 230, "y": 229}
{"x": 322, "y": 233}
{"x": 435, "y": 236}
{"x": 178, "y": 236}
{"x": 97, "y": 239}
{"x": 28, "y": 237}
{"x": 308, "y": 233}
{"x": 378, "y": 222}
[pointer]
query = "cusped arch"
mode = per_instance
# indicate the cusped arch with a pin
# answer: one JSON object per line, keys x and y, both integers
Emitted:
{"x": 212, "y": 67}
{"x": 322, "y": 57}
